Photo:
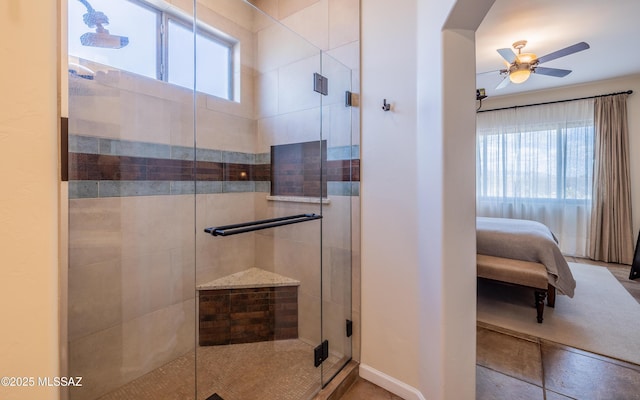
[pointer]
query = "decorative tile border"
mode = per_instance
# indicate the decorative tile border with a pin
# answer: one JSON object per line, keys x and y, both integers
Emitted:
{"x": 114, "y": 147}
{"x": 101, "y": 167}
{"x": 96, "y": 189}
{"x": 299, "y": 199}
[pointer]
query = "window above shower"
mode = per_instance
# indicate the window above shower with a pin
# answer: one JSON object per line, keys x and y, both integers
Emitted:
{"x": 138, "y": 37}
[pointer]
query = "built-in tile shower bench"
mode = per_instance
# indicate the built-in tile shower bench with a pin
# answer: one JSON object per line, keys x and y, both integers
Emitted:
{"x": 249, "y": 306}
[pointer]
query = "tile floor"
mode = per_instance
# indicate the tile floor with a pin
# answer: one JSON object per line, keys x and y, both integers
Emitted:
{"x": 511, "y": 366}
{"x": 515, "y": 367}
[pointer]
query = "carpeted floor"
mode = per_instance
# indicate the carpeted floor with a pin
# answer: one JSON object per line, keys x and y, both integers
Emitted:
{"x": 602, "y": 317}
{"x": 620, "y": 271}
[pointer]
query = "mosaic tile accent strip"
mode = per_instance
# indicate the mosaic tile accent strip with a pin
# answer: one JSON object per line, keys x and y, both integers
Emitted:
{"x": 343, "y": 188}
{"x": 83, "y": 166}
{"x": 96, "y": 189}
{"x": 101, "y": 167}
{"x": 343, "y": 152}
{"x": 343, "y": 170}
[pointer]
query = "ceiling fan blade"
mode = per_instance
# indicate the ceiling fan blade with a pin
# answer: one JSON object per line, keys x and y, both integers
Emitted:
{"x": 507, "y": 54}
{"x": 489, "y": 72}
{"x": 557, "y": 72}
{"x": 563, "y": 52}
{"x": 504, "y": 83}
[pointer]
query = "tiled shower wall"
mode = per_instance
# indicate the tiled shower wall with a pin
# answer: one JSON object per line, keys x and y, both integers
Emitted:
{"x": 132, "y": 212}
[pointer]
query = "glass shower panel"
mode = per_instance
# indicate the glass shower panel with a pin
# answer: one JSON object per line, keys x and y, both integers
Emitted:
{"x": 209, "y": 229}
{"x": 259, "y": 158}
{"x": 131, "y": 297}
{"x": 336, "y": 212}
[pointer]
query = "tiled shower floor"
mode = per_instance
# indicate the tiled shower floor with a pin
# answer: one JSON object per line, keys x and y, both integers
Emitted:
{"x": 280, "y": 370}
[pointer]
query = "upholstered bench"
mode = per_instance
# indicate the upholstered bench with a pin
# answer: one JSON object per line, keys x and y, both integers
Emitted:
{"x": 522, "y": 273}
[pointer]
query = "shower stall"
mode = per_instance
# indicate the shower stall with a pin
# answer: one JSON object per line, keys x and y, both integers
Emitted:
{"x": 212, "y": 173}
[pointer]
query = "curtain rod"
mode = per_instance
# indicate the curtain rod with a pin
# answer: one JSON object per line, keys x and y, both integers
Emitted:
{"x": 558, "y": 101}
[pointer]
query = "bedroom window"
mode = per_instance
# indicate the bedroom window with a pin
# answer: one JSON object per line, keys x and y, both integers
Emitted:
{"x": 160, "y": 45}
{"x": 539, "y": 152}
{"x": 555, "y": 163}
{"x": 536, "y": 163}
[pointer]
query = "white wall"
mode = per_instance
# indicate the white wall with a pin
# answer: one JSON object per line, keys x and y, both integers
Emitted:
{"x": 592, "y": 89}
{"x": 29, "y": 198}
{"x": 388, "y": 191}
{"x": 418, "y": 197}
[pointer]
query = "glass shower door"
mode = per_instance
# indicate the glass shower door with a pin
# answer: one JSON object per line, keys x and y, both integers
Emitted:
{"x": 337, "y": 327}
{"x": 209, "y": 204}
{"x": 131, "y": 300}
{"x": 259, "y": 190}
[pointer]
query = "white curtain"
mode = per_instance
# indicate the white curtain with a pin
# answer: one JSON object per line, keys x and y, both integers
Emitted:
{"x": 536, "y": 163}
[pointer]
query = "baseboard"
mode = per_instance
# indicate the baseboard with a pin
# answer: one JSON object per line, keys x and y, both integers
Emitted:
{"x": 390, "y": 383}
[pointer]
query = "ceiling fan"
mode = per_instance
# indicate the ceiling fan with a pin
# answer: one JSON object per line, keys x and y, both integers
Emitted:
{"x": 520, "y": 65}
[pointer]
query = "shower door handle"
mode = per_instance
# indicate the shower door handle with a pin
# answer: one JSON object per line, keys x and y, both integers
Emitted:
{"x": 234, "y": 229}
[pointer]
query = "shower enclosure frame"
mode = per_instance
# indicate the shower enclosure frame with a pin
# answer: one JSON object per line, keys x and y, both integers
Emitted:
{"x": 99, "y": 199}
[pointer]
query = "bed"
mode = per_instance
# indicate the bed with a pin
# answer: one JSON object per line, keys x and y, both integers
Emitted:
{"x": 523, "y": 253}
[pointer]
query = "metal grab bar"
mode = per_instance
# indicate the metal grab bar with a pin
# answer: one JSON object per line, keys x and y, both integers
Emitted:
{"x": 234, "y": 229}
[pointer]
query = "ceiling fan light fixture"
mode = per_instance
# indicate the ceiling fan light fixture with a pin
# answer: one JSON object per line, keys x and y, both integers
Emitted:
{"x": 519, "y": 66}
{"x": 519, "y": 73}
{"x": 526, "y": 58}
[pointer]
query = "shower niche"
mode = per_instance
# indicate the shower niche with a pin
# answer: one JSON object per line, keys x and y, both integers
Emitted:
{"x": 210, "y": 205}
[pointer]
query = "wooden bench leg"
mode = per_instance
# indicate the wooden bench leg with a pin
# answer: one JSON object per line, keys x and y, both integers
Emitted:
{"x": 551, "y": 296}
{"x": 540, "y": 295}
